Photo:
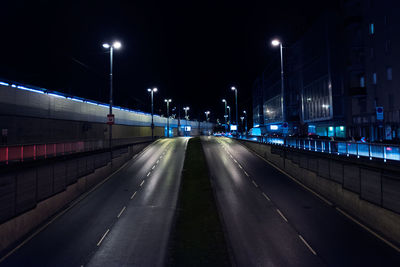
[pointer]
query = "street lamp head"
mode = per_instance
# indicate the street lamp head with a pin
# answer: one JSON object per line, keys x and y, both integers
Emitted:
{"x": 228, "y": 107}
{"x": 148, "y": 90}
{"x": 155, "y": 89}
{"x": 117, "y": 45}
{"x": 244, "y": 111}
{"x": 223, "y": 100}
{"x": 233, "y": 88}
{"x": 106, "y": 45}
{"x": 168, "y": 100}
{"x": 275, "y": 42}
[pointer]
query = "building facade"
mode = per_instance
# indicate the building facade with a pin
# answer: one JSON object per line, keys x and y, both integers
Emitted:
{"x": 337, "y": 76}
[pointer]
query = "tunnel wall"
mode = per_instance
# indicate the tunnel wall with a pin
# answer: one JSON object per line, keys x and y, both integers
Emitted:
{"x": 368, "y": 190}
{"x": 30, "y": 195}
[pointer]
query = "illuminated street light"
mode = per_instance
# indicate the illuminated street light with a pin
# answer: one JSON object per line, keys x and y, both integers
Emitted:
{"x": 207, "y": 113}
{"x": 186, "y": 112}
{"x": 152, "y": 91}
{"x": 116, "y": 45}
{"x": 226, "y": 103}
{"x": 279, "y": 43}
{"x": 168, "y": 101}
{"x": 236, "y": 104}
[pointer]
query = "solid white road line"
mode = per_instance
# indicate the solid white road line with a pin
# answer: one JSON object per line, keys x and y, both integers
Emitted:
{"x": 308, "y": 246}
{"x": 104, "y": 235}
{"x": 120, "y": 213}
{"x": 387, "y": 242}
{"x": 280, "y": 213}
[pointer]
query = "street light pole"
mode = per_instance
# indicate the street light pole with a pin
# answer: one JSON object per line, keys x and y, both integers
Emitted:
{"x": 229, "y": 117}
{"x": 226, "y": 115}
{"x": 245, "y": 121}
{"x": 152, "y": 111}
{"x": 236, "y": 103}
{"x": 276, "y": 43}
{"x": 116, "y": 45}
{"x": 168, "y": 101}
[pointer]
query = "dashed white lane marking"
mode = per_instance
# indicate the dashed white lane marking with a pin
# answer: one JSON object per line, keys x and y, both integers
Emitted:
{"x": 246, "y": 174}
{"x": 240, "y": 166}
{"x": 142, "y": 183}
{"x": 104, "y": 235}
{"x": 235, "y": 160}
{"x": 308, "y": 246}
{"x": 256, "y": 185}
{"x": 153, "y": 167}
{"x": 148, "y": 174}
{"x": 266, "y": 196}
{"x": 157, "y": 161}
{"x": 280, "y": 213}
{"x": 369, "y": 230}
{"x": 133, "y": 195}
{"x": 122, "y": 211}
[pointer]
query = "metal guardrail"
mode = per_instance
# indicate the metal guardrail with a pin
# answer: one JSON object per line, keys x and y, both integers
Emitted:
{"x": 358, "y": 149}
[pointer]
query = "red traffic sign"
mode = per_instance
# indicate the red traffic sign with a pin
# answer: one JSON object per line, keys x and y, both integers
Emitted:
{"x": 110, "y": 119}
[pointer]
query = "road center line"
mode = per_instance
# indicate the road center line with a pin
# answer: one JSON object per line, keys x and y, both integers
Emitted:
{"x": 280, "y": 213}
{"x": 120, "y": 213}
{"x": 104, "y": 235}
{"x": 133, "y": 195}
{"x": 307, "y": 245}
{"x": 142, "y": 183}
{"x": 266, "y": 196}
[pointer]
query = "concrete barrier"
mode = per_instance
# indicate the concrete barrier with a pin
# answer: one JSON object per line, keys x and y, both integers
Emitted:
{"x": 30, "y": 197}
{"x": 366, "y": 190}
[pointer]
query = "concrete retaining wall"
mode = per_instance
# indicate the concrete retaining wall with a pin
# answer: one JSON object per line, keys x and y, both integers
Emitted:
{"x": 368, "y": 191}
{"x": 30, "y": 197}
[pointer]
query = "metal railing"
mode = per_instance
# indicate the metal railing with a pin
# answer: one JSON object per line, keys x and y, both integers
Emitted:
{"x": 27, "y": 152}
{"x": 346, "y": 148}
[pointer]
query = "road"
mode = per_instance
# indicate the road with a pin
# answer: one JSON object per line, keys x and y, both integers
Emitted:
{"x": 272, "y": 221}
{"x": 125, "y": 222}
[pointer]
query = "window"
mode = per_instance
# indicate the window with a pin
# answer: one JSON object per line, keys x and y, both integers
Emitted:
{"x": 362, "y": 81}
{"x": 374, "y": 78}
{"x": 389, "y": 73}
{"x": 371, "y": 28}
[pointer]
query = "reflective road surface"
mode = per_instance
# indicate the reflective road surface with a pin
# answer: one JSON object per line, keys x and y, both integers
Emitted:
{"x": 125, "y": 222}
{"x": 272, "y": 221}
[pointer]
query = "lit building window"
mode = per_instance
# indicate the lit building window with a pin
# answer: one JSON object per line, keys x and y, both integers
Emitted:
{"x": 389, "y": 73}
{"x": 371, "y": 28}
{"x": 374, "y": 78}
{"x": 362, "y": 81}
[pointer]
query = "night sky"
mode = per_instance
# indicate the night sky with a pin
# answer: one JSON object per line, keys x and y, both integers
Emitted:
{"x": 193, "y": 51}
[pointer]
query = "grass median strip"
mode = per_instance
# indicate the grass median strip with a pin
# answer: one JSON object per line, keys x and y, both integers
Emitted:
{"x": 198, "y": 238}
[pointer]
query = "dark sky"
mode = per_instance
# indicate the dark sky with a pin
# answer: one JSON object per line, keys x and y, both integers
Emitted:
{"x": 193, "y": 51}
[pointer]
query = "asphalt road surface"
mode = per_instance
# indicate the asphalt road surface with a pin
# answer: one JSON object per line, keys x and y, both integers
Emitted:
{"x": 270, "y": 220}
{"x": 125, "y": 222}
